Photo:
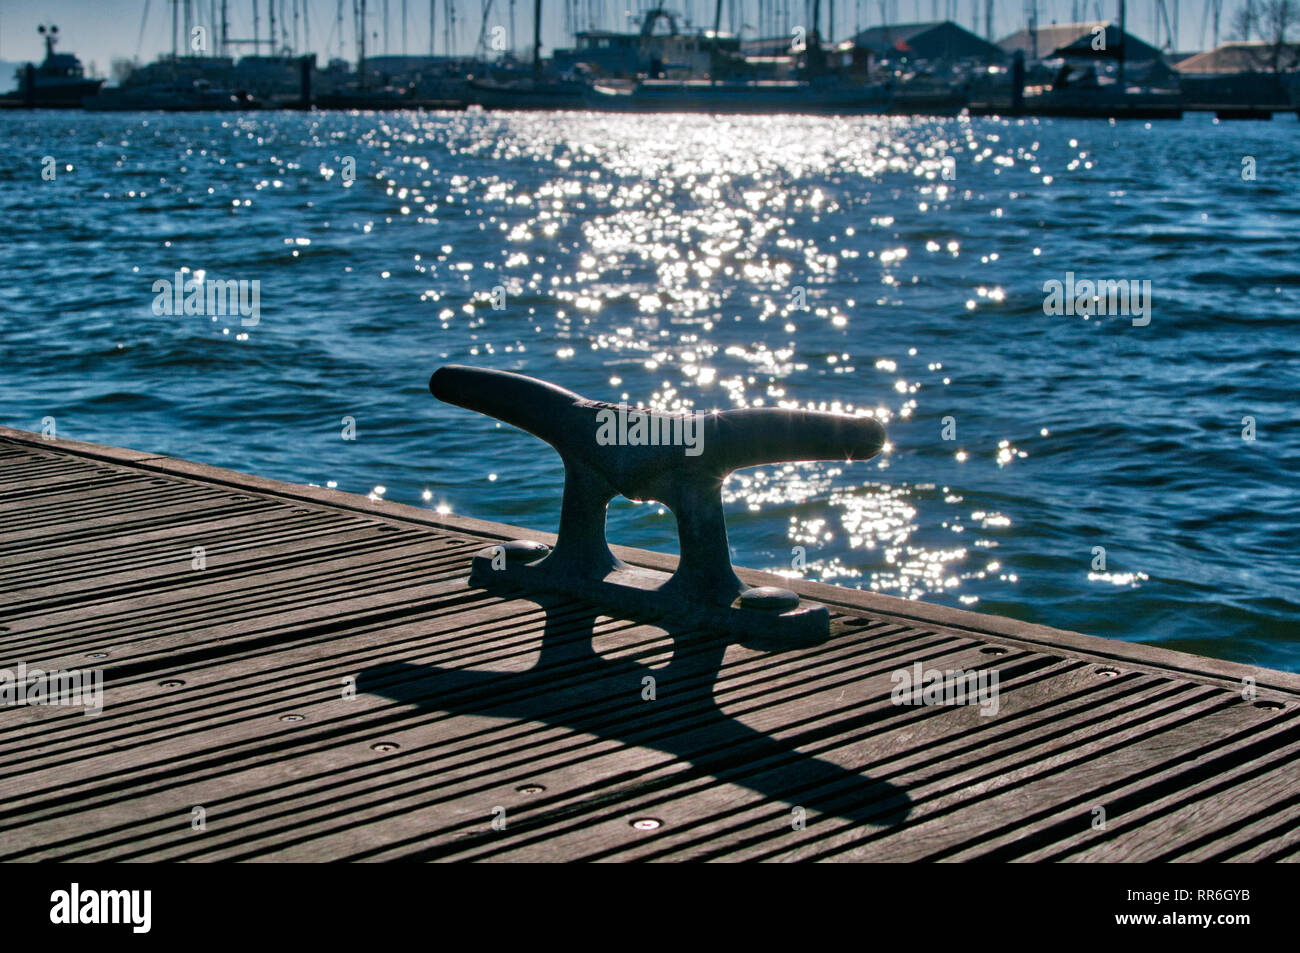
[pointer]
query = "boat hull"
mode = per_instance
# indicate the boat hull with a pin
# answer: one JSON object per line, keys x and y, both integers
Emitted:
{"x": 63, "y": 95}
{"x": 739, "y": 99}
{"x": 528, "y": 96}
{"x": 1084, "y": 106}
{"x": 153, "y": 99}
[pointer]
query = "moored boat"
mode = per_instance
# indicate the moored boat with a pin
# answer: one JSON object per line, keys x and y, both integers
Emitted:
{"x": 521, "y": 93}
{"x": 1103, "y": 101}
{"x": 197, "y": 96}
{"x": 927, "y": 96}
{"x": 60, "y": 82}
{"x": 763, "y": 96}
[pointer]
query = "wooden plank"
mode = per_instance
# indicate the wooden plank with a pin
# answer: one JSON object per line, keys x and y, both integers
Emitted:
{"x": 224, "y": 688}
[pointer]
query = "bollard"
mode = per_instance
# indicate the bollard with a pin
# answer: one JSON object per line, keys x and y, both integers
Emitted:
{"x": 685, "y": 475}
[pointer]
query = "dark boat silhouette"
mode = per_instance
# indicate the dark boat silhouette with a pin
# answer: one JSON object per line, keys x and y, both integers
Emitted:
{"x": 197, "y": 96}
{"x": 763, "y": 96}
{"x": 60, "y": 82}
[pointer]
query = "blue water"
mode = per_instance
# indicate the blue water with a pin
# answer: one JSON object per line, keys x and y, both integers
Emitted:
{"x": 656, "y": 258}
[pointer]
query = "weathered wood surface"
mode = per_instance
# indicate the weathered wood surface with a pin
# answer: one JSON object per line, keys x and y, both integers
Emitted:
{"x": 224, "y": 689}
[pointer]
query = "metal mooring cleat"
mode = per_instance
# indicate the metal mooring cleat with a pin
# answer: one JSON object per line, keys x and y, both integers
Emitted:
{"x": 680, "y": 460}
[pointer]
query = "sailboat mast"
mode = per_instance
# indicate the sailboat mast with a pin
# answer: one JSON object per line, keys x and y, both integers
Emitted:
{"x": 814, "y": 53}
{"x": 537, "y": 40}
{"x": 717, "y": 25}
{"x": 1121, "y": 46}
{"x": 361, "y": 47}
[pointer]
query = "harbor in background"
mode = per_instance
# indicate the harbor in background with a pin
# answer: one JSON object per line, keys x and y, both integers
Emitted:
{"x": 667, "y": 64}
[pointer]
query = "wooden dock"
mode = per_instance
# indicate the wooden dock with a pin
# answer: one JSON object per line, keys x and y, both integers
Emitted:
{"x": 293, "y": 673}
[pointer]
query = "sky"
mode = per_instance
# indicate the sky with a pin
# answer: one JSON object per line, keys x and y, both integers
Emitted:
{"x": 101, "y": 30}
